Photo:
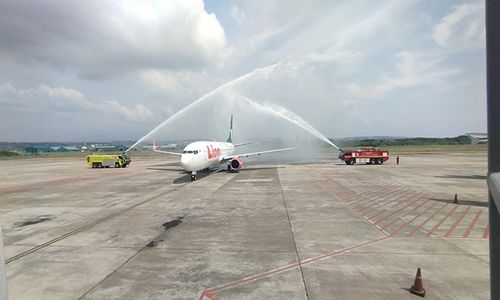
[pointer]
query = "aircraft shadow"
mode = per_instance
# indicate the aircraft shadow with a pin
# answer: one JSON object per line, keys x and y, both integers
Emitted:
{"x": 463, "y": 202}
{"x": 186, "y": 178}
{"x": 183, "y": 179}
{"x": 170, "y": 164}
{"x": 480, "y": 177}
{"x": 260, "y": 168}
{"x": 166, "y": 169}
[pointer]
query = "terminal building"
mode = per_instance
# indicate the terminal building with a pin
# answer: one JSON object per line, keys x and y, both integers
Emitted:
{"x": 478, "y": 138}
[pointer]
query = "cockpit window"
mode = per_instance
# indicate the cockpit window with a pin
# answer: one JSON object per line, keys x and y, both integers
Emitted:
{"x": 190, "y": 152}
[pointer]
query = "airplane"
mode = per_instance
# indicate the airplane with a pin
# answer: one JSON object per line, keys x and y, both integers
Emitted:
{"x": 201, "y": 155}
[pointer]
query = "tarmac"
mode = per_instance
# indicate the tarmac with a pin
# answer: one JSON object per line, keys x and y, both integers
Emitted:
{"x": 318, "y": 230}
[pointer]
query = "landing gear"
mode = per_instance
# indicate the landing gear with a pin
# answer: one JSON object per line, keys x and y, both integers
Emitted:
{"x": 193, "y": 176}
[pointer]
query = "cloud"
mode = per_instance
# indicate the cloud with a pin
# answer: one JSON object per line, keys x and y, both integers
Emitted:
{"x": 463, "y": 27}
{"x": 56, "y": 100}
{"x": 413, "y": 69}
{"x": 173, "y": 90}
{"x": 239, "y": 16}
{"x": 163, "y": 81}
{"x": 99, "y": 39}
{"x": 319, "y": 32}
{"x": 345, "y": 61}
{"x": 60, "y": 92}
{"x": 138, "y": 112}
{"x": 324, "y": 59}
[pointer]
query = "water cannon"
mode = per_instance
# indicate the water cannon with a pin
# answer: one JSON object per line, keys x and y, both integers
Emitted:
{"x": 341, "y": 153}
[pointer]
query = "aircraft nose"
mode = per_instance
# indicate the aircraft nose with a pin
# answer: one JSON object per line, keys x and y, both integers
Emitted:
{"x": 186, "y": 162}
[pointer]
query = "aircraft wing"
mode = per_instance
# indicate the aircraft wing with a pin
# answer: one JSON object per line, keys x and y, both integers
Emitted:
{"x": 256, "y": 153}
{"x": 155, "y": 149}
{"x": 243, "y": 144}
{"x": 166, "y": 152}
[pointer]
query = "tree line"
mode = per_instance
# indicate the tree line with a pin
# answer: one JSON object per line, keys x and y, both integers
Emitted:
{"x": 419, "y": 141}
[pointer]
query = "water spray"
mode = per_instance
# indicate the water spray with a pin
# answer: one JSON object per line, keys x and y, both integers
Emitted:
{"x": 274, "y": 110}
{"x": 263, "y": 71}
{"x": 288, "y": 115}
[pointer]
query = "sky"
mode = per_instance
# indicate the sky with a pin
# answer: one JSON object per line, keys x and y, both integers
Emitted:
{"x": 114, "y": 70}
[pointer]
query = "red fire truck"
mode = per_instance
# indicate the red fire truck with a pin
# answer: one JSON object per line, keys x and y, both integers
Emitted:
{"x": 372, "y": 156}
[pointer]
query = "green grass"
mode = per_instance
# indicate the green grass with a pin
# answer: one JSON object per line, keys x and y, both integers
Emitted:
{"x": 6, "y": 153}
{"x": 393, "y": 150}
{"x": 72, "y": 154}
{"x": 438, "y": 149}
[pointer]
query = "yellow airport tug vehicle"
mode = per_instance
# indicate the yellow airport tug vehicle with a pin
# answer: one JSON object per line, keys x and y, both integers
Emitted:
{"x": 108, "y": 160}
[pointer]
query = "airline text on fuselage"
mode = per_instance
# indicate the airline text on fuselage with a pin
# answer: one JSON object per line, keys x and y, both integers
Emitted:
{"x": 213, "y": 152}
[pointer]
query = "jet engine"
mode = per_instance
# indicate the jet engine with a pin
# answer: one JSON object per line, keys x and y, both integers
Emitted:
{"x": 235, "y": 164}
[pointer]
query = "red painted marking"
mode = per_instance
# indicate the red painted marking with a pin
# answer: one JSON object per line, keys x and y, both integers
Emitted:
{"x": 212, "y": 296}
{"x": 381, "y": 193}
{"x": 289, "y": 267}
{"x": 474, "y": 221}
{"x": 377, "y": 214}
{"x": 486, "y": 231}
{"x": 394, "y": 191}
{"x": 391, "y": 194}
{"x": 347, "y": 199}
{"x": 389, "y": 202}
{"x": 209, "y": 295}
{"x": 370, "y": 197}
{"x": 426, "y": 221}
{"x": 341, "y": 251}
{"x": 371, "y": 223}
{"x": 202, "y": 295}
{"x": 362, "y": 208}
{"x": 442, "y": 221}
{"x": 414, "y": 218}
{"x": 361, "y": 203}
{"x": 401, "y": 208}
{"x": 345, "y": 194}
{"x": 452, "y": 228}
{"x": 405, "y": 214}
{"x": 253, "y": 277}
{"x": 376, "y": 193}
{"x": 381, "y": 198}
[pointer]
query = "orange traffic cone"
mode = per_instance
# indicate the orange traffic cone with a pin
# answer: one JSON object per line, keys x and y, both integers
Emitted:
{"x": 455, "y": 200}
{"x": 418, "y": 287}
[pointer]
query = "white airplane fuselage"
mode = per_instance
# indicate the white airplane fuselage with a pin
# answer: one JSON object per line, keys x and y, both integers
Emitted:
{"x": 202, "y": 155}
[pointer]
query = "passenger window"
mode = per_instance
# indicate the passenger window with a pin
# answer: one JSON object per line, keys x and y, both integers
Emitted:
{"x": 195, "y": 151}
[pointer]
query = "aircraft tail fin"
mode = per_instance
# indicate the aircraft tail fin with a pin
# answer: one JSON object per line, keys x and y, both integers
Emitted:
{"x": 230, "y": 137}
{"x": 155, "y": 145}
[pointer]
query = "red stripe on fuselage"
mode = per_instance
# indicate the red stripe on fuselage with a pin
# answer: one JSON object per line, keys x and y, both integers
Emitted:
{"x": 213, "y": 152}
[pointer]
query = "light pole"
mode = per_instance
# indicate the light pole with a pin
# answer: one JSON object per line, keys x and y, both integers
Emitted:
{"x": 493, "y": 96}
